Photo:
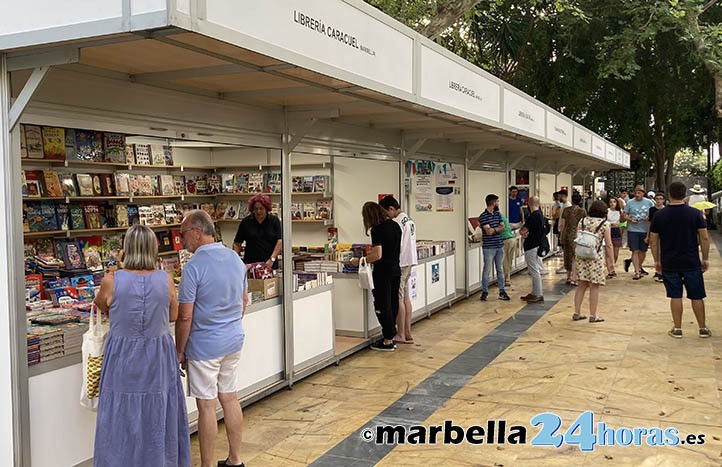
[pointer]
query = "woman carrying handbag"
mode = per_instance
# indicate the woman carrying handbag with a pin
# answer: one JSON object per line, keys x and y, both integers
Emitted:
{"x": 142, "y": 416}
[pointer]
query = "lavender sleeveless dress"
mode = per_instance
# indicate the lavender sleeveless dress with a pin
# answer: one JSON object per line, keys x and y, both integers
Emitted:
{"x": 142, "y": 418}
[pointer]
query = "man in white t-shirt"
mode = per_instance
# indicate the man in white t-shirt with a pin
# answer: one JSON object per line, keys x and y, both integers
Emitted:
{"x": 407, "y": 260}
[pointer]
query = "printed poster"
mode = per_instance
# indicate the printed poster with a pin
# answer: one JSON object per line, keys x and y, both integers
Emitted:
{"x": 412, "y": 284}
{"x": 435, "y": 273}
{"x": 424, "y": 193}
{"x": 444, "y": 198}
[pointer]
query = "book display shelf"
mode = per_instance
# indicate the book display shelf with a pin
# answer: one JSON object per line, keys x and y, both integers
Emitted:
{"x": 82, "y": 190}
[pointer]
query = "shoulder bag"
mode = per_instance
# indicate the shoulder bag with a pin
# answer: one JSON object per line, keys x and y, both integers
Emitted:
{"x": 93, "y": 349}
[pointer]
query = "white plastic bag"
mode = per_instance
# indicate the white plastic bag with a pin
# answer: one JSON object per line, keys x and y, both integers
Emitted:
{"x": 587, "y": 243}
{"x": 365, "y": 275}
{"x": 93, "y": 349}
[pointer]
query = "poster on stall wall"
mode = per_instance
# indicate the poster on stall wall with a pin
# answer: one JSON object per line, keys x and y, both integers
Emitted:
{"x": 412, "y": 284}
{"x": 445, "y": 199}
{"x": 424, "y": 193}
{"x": 447, "y": 175}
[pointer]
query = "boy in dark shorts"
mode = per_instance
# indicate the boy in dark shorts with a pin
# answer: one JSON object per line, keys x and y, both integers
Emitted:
{"x": 680, "y": 230}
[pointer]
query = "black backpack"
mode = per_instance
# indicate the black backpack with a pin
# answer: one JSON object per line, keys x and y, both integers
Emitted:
{"x": 544, "y": 244}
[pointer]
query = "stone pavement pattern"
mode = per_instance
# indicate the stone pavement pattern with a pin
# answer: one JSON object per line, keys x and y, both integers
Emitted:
{"x": 626, "y": 370}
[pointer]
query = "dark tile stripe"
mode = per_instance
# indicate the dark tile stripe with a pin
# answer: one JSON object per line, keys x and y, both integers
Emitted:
{"x": 428, "y": 396}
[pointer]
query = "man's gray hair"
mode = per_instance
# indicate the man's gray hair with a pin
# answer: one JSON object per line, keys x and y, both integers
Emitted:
{"x": 202, "y": 221}
{"x": 534, "y": 201}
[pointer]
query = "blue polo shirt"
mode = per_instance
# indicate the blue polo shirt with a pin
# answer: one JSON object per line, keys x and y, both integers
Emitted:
{"x": 214, "y": 280}
{"x": 638, "y": 210}
{"x": 515, "y": 205}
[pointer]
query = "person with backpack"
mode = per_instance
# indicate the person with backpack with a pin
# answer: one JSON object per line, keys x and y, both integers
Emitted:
{"x": 534, "y": 233}
{"x": 591, "y": 264}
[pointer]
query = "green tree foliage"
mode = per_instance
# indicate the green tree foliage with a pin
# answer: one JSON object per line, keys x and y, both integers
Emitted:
{"x": 641, "y": 72}
{"x": 689, "y": 163}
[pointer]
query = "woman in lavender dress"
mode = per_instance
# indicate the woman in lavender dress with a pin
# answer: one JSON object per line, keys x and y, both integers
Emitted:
{"x": 142, "y": 418}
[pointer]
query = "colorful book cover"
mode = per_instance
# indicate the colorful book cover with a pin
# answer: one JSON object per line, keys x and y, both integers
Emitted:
{"x": 92, "y": 257}
{"x": 122, "y": 184}
{"x": 209, "y": 208}
{"x": 23, "y": 144}
{"x": 255, "y": 182}
{"x": 243, "y": 211}
{"x": 214, "y": 184}
{"x": 201, "y": 184}
{"x": 320, "y": 182}
{"x": 324, "y": 209}
{"x": 156, "y": 154}
{"x": 240, "y": 183}
{"x": 273, "y": 182}
{"x": 184, "y": 256}
{"x": 77, "y": 217}
{"x": 220, "y": 210}
{"x": 62, "y": 213}
{"x": 179, "y": 184}
{"x": 106, "y": 185}
{"x": 88, "y": 145}
{"x": 72, "y": 255}
{"x": 142, "y": 154}
{"x": 297, "y": 182}
{"x": 168, "y": 155}
{"x": 52, "y": 184}
{"x": 26, "y": 222}
{"x": 41, "y": 217}
{"x": 129, "y": 154}
{"x": 134, "y": 185}
{"x": 158, "y": 213}
{"x": 231, "y": 212}
{"x": 165, "y": 241}
{"x": 177, "y": 239}
{"x": 70, "y": 144}
{"x": 97, "y": 185}
{"x": 296, "y": 211}
{"x": 114, "y": 144}
{"x": 145, "y": 185}
{"x": 24, "y": 183}
{"x": 34, "y": 141}
{"x": 67, "y": 184}
{"x": 33, "y": 180}
{"x": 167, "y": 185}
{"x": 309, "y": 210}
{"x": 86, "y": 294}
{"x": 171, "y": 265}
{"x": 308, "y": 184}
{"x": 155, "y": 185}
{"x": 92, "y": 216}
{"x": 107, "y": 216}
{"x": 133, "y": 214}
{"x": 186, "y": 208}
{"x": 111, "y": 246}
{"x": 191, "y": 188}
{"x": 121, "y": 215}
{"x": 227, "y": 183}
{"x": 53, "y": 143}
{"x": 172, "y": 216}
{"x": 145, "y": 214}
{"x": 85, "y": 184}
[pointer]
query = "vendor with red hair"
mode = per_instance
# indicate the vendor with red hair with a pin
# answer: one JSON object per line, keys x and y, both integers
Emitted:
{"x": 262, "y": 233}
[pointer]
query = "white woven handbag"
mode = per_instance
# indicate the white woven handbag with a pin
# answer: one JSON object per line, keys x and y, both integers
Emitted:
{"x": 365, "y": 275}
{"x": 93, "y": 349}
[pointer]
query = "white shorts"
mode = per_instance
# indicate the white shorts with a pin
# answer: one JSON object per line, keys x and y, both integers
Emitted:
{"x": 207, "y": 378}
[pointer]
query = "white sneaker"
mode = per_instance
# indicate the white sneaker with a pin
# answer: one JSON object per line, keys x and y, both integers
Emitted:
{"x": 561, "y": 271}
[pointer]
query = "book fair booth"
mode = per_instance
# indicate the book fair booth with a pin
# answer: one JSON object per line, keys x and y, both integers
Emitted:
{"x": 123, "y": 111}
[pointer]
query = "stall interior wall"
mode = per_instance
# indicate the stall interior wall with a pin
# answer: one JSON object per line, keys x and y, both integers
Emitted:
{"x": 482, "y": 183}
{"x": 546, "y": 188}
{"x": 355, "y": 182}
{"x": 434, "y": 225}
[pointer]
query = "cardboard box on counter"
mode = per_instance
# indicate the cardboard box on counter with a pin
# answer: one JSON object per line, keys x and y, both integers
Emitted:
{"x": 270, "y": 287}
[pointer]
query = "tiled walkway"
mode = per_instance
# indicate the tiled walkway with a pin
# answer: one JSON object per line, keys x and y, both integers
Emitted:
{"x": 626, "y": 370}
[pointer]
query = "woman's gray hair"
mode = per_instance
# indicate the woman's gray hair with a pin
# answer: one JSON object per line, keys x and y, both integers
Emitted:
{"x": 140, "y": 249}
{"x": 202, "y": 221}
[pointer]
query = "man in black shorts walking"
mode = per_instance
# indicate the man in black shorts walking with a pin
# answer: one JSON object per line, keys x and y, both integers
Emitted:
{"x": 680, "y": 230}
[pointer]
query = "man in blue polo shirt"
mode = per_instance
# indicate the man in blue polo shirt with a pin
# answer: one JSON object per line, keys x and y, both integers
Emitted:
{"x": 516, "y": 215}
{"x": 636, "y": 213}
{"x": 212, "y": 299}
{"x": 492, "y": 246}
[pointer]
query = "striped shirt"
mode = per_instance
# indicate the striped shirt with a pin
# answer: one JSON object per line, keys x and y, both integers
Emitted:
{"x": 493, "y": 220}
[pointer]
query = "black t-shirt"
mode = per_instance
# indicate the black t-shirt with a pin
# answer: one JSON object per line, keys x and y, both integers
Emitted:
{"x": 388, "y": 235}
{"x": 260, "y": 239}
{"x": 677, "y": 226}
{"x": 535, "y": 225}
{"x": 652, "y": 210}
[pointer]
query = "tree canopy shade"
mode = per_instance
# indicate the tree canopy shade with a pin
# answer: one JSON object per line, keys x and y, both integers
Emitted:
{"x": 645, "y": 73}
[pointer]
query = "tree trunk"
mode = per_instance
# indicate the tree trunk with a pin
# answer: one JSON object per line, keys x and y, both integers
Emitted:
{"x": 660, "y": 173}
{"x": 446, "y": 15}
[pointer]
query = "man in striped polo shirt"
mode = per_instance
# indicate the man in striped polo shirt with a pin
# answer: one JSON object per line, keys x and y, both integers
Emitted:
{"x": 492, "y": 246}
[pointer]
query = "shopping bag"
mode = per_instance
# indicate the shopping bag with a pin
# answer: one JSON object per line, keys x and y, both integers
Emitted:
{"x": 93, "y": 349}
{"x": 365, "y": 275}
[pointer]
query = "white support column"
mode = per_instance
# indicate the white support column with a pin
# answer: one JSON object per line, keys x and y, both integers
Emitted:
{"x": 15, "y": 421}
{"x": 465, "y": 257}
{"x": 286, "y": 220}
